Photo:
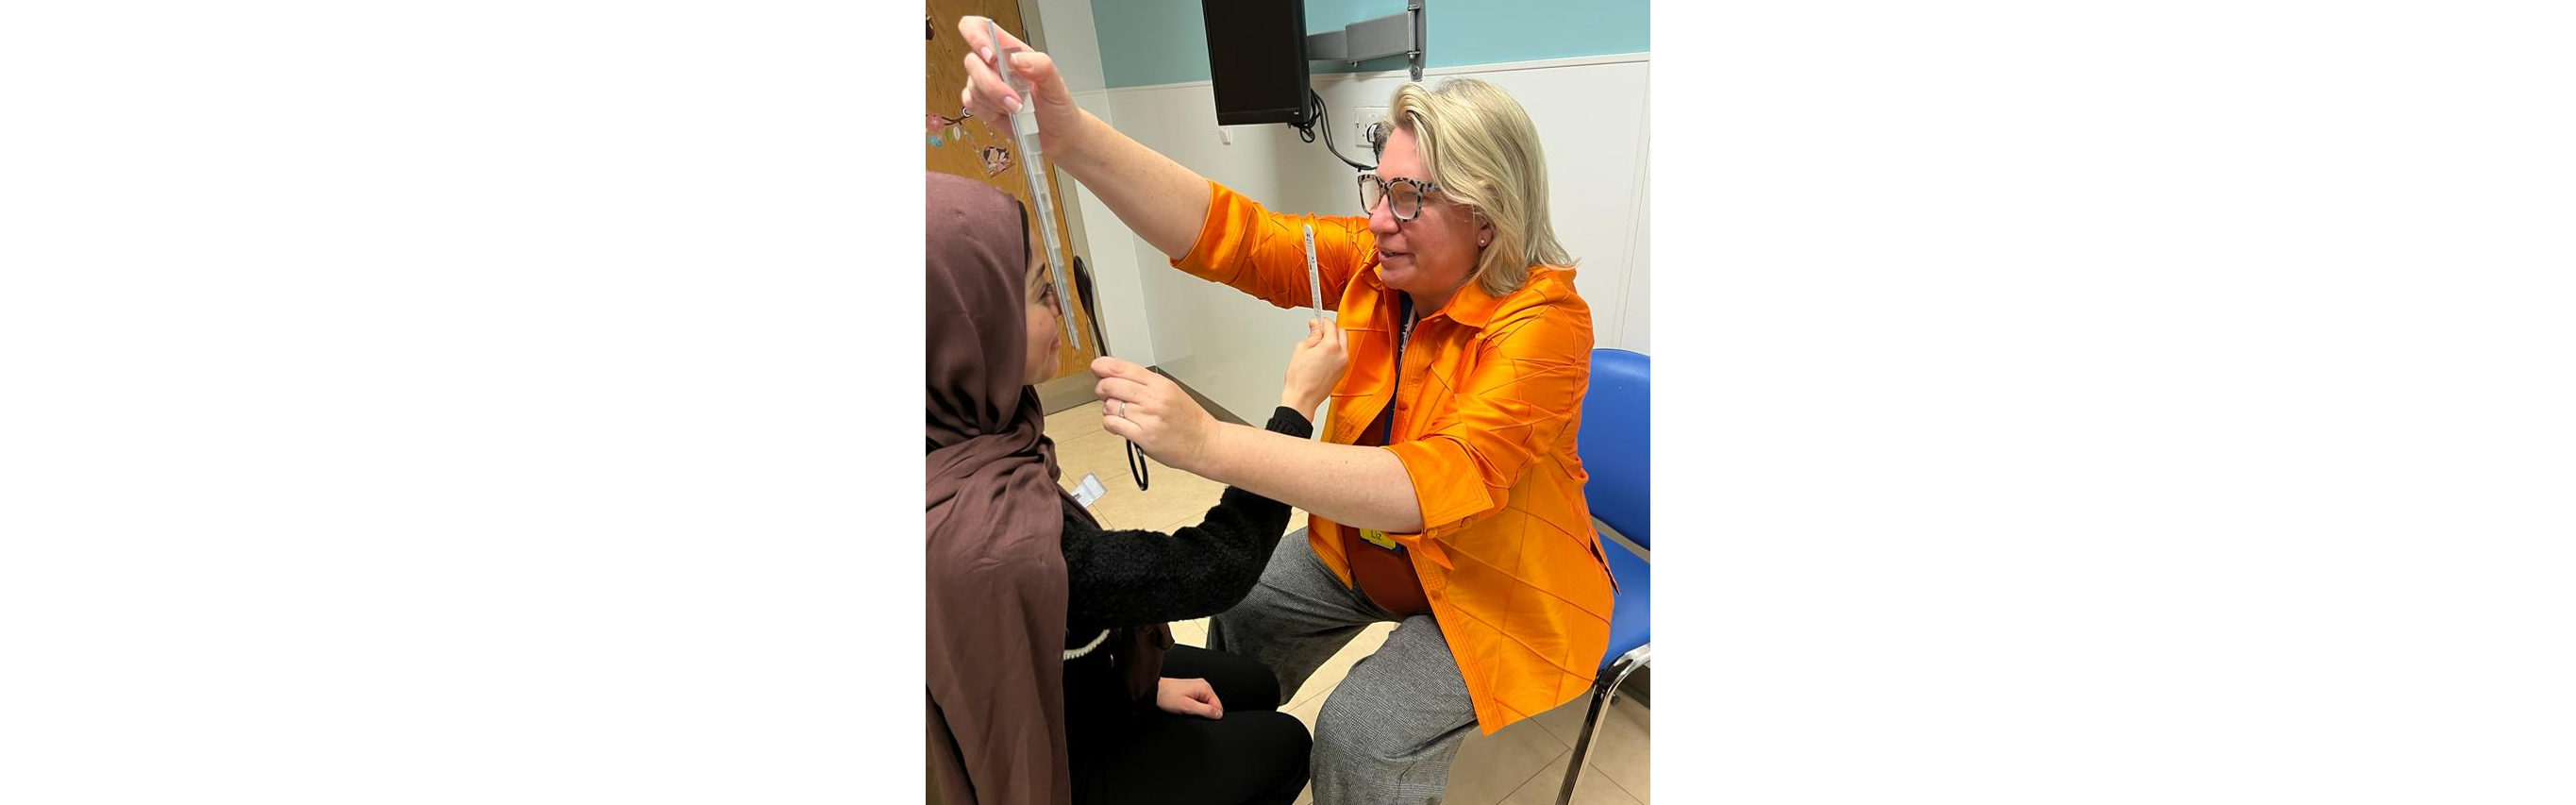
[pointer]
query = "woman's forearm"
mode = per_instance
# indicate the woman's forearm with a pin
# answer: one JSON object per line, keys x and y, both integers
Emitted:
{"x": 1365, "y": 487}
{"x": 1161, "y": 201}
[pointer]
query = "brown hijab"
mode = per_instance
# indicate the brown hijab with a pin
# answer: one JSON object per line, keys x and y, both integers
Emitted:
{"x": 996, "y": 571}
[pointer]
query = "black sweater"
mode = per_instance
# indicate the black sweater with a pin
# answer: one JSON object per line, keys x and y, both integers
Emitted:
{"x": 1134, "y": 577}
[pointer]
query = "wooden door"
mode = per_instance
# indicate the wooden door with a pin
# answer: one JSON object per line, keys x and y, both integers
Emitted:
{"x": 968, "y": 148}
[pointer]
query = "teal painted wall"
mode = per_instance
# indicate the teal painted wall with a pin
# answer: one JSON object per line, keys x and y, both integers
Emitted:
{"x": 1147, "y": 42}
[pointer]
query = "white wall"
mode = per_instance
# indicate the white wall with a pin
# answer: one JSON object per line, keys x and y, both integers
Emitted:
{"x": 1065, "y": 33}
{"x": 1063, "y": 30}
{"x": 1591, "y": 115}
{"x": 1633, "y": 306}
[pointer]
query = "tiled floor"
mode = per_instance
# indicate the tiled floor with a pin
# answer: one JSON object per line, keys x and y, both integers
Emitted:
{"x": 1522, "y": 764}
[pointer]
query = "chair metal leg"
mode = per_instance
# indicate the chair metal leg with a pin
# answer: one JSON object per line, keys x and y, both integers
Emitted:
{"x": 1605, "y": 691}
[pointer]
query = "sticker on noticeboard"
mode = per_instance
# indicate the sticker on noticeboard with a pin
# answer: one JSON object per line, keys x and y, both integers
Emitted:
{"x": 934, "y": 121}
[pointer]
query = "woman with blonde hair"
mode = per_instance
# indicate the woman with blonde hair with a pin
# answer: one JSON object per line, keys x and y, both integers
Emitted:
{"x": 1446, "y": 495}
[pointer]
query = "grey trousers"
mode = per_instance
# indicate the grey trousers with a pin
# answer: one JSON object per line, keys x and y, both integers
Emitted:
{"x": 1388, "y": 732}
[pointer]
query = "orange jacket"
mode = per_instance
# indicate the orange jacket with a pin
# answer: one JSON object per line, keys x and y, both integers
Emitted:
{"x": 1491, "y": 397}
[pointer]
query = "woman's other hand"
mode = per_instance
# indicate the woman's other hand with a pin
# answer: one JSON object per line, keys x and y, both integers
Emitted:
{"x": 1152, "y": 411}
{"x": 991, "y": 99}
{"x": 1315, "y": 367}
{"x": 1188, "y": 697}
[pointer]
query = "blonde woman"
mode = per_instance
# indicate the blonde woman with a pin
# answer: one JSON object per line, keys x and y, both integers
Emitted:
{"x": 1446, "y": 495}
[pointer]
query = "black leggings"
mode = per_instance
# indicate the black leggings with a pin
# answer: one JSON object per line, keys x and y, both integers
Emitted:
{"x": 1255, "y": 755}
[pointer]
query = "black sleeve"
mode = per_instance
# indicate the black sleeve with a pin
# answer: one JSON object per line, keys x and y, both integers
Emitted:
{"x": 1133, "y": 577}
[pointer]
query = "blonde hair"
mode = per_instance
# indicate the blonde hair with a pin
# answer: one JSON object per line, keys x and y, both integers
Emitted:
{"x": 1483, "y": 151}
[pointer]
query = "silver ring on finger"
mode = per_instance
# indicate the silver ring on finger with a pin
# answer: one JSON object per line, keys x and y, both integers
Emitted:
{"x": 1122, "y": 407}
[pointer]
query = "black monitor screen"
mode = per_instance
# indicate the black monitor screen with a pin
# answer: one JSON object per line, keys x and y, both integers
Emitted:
{"x": 1257, "y": 59}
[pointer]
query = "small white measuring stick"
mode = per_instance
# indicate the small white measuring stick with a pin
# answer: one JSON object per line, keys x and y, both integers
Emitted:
{"x": 1314, "y": 276}
{"x": 1315, "y": 285}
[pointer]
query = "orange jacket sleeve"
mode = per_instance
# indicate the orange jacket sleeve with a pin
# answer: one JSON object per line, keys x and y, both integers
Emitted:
{"x": 1264, "y": 253}
{"x": 1532, "y": 366}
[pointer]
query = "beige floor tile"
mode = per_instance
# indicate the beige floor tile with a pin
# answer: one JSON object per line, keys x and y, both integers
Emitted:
{"x": 1594, "y": 788}
{"x": 1624, "y": 750}
{"x": 1489, "y": 768}
{"x": 1175, "y": 494}
{"x": 1306, "y": 712}
{"x": 1093, "y": 452}
{"x": 1177, "y": 499}
{"x": 1190, "y": 632}
{"x": 1566, "y": 721}
{"x": 1182, "y": 523}
{"x": 1079, "y": 420}
{"x": 1307, "y": 797}
{"x": 1332, "y": 671}
{"x": 1096, "y": 451}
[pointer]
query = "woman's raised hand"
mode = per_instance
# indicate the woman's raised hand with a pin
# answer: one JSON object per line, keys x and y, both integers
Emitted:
{"x": 1152, "y": 411}
{"x": 1315, "y": 367}
{"x": 992, "y": 100}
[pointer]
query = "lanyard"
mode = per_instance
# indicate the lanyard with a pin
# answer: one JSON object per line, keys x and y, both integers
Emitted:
{"x": 1402, "y": 337}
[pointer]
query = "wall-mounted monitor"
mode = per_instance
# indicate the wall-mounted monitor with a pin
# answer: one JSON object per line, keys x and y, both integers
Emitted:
{"x": 1257, "y": 60}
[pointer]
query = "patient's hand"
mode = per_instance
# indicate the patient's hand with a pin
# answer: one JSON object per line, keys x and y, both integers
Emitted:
{"x": 1315, "y": 367}
{"x": 1188, "y": 697}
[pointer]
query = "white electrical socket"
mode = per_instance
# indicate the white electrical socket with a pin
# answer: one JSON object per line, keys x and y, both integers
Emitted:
{"x": 1364, "y": 117}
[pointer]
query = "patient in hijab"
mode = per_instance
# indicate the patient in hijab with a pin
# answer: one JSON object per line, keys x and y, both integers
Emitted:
{"x": 1052, "y": 675}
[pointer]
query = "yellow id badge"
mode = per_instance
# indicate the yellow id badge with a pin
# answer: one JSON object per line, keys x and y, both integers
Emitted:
{"x": 1378, "y": 538}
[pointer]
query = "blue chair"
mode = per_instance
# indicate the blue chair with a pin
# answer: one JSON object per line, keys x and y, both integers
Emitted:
{"x": 1614, "y": 446}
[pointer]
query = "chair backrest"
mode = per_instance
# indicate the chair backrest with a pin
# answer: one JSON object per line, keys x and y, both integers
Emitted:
{"x": 1614, "y": 444}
